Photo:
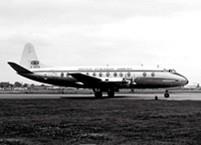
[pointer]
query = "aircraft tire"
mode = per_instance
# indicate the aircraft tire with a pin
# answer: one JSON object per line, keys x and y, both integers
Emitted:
{"x": 110, "y": 94}
{"x": 166, "y": 95}
{"x": 98, "y": 94}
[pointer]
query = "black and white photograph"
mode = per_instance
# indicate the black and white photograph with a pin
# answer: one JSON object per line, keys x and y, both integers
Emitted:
{"x": 110, "y": 72}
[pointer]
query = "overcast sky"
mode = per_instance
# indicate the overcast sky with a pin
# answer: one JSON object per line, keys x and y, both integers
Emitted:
{"x": 100, "y": 32}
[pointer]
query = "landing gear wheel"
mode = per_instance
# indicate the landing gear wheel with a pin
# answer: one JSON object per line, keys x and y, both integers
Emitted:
{"x": 98, "y": 94}
{"x": 110, "y": 94}
{"x": 166, "y": 95}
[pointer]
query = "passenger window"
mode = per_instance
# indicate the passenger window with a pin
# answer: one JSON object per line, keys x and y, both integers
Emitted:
{"x": 67, "y": 75}
{"x": 144, "y": 74}
{"x": 115, "y": 74}
{"x": 94, "y": 74}
{"x": 121, "y": 74}
{"x": 128, "y": 74}
{"x": 108, "y": 74}
{"x": 100, "y": 74}
{"x": 152, "y": 74}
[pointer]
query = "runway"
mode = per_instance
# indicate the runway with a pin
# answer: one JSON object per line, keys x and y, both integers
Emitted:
{"x": 174, "y": 96}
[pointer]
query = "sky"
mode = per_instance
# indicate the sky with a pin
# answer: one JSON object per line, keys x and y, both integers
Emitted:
{"x": 100, "y": 33}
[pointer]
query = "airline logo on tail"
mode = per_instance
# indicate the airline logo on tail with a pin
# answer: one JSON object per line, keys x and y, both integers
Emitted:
{"x": 35, "y": 64}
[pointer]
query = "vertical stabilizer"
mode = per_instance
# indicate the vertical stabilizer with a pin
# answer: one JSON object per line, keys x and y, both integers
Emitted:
{"x": 29, "y": 58}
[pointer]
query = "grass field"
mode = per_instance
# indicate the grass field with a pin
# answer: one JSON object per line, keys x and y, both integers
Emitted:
{"x": 99, "y": 121}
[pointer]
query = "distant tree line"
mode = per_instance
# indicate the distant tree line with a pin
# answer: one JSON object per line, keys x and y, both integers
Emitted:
{"x": 8, "y": 85}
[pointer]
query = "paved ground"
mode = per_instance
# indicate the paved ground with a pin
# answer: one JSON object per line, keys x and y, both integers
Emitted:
{"x": 174, "y": 96}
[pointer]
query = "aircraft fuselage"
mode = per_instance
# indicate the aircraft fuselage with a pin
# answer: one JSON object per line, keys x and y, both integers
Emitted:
{"x": 121, "y": 78}
{"x": 100, "y": 79}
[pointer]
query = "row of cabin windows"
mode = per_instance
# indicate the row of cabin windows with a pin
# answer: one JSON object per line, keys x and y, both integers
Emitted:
{"x": 114, "y": 74}
{"x": 108, "y": 74}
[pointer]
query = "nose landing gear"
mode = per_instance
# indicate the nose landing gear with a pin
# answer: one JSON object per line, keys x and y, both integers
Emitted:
{"x": 98, "y": 93}
{"x": 166, "y": 95}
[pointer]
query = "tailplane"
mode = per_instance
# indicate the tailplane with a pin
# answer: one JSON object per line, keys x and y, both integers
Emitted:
{"x": 29, "y": 58}
{"x": 19, "y": 69}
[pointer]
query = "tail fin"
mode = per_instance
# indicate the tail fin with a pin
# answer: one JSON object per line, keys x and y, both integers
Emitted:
{"x": 29, "y": 58}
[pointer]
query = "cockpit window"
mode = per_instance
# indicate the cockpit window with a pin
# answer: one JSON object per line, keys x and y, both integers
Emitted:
{"x": 171, "y": 71}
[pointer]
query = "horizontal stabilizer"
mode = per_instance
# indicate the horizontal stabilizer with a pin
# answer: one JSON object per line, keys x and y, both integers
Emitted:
{"x": 85, "y": 78}
{"x": 19, "y": 69}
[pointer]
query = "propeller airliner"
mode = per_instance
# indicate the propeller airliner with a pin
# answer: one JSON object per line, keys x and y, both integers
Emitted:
{"x": 108, "y": 79}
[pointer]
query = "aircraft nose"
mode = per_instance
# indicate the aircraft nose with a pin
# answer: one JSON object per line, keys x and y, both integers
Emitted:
{"x": 184, "y": 80}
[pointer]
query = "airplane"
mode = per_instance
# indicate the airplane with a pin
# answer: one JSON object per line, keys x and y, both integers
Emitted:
{"x": 108, "y": 79}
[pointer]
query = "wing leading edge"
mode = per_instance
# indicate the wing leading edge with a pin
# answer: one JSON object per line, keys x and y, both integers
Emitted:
{"x": 90, "y": 80}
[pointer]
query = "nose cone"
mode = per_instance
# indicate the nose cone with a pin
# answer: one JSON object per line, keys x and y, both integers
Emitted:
{"x": 184, "y": 80}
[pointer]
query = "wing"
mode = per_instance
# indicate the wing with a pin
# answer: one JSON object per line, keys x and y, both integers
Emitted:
{"x": 85, "y": 78}
{"x": 94, "y": 81}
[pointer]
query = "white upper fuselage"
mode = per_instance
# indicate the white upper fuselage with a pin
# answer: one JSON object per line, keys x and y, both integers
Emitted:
{"x": 105, "y": 72}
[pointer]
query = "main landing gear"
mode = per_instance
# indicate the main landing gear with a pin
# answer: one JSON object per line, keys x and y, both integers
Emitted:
{"x": 166, "y": 95}
{"x": 110, "y": 93}
{"x": 99, "y": 94}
